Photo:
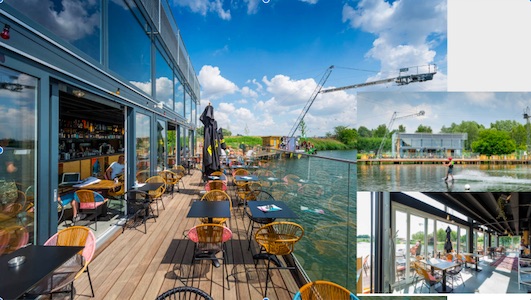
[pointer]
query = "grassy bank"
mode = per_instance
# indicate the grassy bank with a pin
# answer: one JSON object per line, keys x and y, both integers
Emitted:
{"x": 319, "y": 143}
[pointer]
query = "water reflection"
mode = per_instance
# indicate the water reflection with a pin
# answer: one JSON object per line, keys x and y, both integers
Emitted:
{"x": 480, "y": 178}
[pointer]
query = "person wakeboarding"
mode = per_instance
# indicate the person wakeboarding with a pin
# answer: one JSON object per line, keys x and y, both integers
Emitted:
{"x": 450, "y": 165}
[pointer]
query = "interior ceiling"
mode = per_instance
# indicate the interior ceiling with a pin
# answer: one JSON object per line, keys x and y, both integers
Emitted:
{"x": 76, "y": 107}
{"x": 484, "y": 208}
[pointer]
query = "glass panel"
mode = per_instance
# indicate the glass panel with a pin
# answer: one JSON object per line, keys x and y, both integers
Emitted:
{"x": 431, "y": 241}
{"x": 161, "y": 145}
{"x": 463, "y": 237}
{"x": 18, "y": 96}
{"x": 76, "y": 22}
{"x": 143, "y": 128}
{"x": 164, "y": 81}
{"x": 172, "y": 146}
{"x": 188, "y": 107}
{"x": 194, "y": 113}
{"x": 401, "y": 246}
{"x": 179, "y": 96}
{"x": 129, "y": 52}
{"x": 480, "y": 242}
{"x": 182, "y": 144}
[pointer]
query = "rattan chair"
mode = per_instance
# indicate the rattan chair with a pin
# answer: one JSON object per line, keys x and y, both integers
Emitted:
{"x": 321, "y": 289}
{"x": 92, "y": 203}
{"x": 184, "y": 293}
{"x": 215, "y": 185}
{"x": 210, "y": 239}
{"x": 64, "y": 277}
{"x": 277, "y": 239}
{"x": 156, "y": 195}
{"x": 216, "y": 195}
{"x": 12, "y": 238}
{"x": 171, "y": 179}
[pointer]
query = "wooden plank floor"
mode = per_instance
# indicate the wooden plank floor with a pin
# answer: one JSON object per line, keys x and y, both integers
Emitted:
{"x": 141, "y": 266}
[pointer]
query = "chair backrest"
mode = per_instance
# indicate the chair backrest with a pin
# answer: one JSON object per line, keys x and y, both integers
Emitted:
{"x": 449, "y": 257}
{"x": 279, "y": 238}
{"x": 13, "y": 238}
{"x": 85, "y": 196}
{"x": 76, "y": 236}
{"x": 209, "y": 233}
{"x": 217, "y": 173}
{"x": 321, "y": 289}
{"x": 215, "y": 185}
{"x": 430, "y": 279}
{"x": 240, "y": 172}
{"x": 119, "y": 192}
{"x": 184, "y": 292}
{"x": 216, "y": 195}
{"x": 157, "y": 179}
{"x": 169, "y": 176}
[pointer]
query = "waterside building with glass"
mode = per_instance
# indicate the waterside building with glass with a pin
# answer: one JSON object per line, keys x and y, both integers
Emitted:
{"x": 406, "y": 145}
{"x": 81, "y": 83}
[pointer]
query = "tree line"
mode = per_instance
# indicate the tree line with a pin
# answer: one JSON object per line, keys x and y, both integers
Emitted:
{"x": 502, "y": 137}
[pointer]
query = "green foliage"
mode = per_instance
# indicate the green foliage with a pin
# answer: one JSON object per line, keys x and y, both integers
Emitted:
{"x": 422, "y": 128}
{"x": 347, "y": 136}
{"x": 380, "y": 131}
{"x": 328, "y": 144}
{"x": 504, "y": 125}
{"x": 402, "y": 128}
{"x": 372, "y": 144}
{"x": 364, "y": 132}
{"x": 470, "y": 127}
{"x": 494, "y": 142}
{"x": 235, "y": 141}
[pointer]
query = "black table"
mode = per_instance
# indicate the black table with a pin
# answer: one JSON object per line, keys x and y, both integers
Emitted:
{"x": 209, "y": 209}
{"x": 246, "y": 178}
{"x": 150, "y": 186}
{"x": 40, "y": 262}
{"x": 285, "y": 213}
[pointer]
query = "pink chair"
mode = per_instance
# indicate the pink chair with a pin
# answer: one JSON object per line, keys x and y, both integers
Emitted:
{"x": 91, "y": 202}
{"x": 13, "y": 238}
{"x": 75, "y": 236}
{"x": 210, "y": 239}
{"x": 215, "y": 185}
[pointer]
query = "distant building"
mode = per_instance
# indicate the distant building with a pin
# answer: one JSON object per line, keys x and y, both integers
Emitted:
{"x": 428, "y": 144}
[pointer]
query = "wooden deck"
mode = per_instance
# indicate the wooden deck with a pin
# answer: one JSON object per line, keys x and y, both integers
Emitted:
{"x": 141, "y": 266}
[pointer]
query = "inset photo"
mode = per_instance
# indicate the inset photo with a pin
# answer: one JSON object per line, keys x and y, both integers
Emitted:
{"x": 444, "y": 142}
{"x": 461, "y": 243}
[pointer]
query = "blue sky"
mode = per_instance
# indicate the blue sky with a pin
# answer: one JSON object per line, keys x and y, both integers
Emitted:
{"x": 441, "y": 108}
{"x": 258, "y": 63}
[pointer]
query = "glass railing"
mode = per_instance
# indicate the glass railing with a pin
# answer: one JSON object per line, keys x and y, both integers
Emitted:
{"x": 322, "y": 192}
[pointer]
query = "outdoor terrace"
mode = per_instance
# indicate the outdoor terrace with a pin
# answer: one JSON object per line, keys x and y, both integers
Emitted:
{"x": 134, "y": 265}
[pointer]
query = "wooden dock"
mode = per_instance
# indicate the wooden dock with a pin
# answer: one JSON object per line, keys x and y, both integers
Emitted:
{"x": 135, "y": 265}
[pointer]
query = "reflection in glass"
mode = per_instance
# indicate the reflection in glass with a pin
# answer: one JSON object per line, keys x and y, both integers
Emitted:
{"x": 143, "y": 129}
{"x": 164, "y": 81}
{"x": 161, "y": 145}
{"x": 76, "y": 22}
{"x": 188, "y": 107}
{"x": 179, "y": 96}
{"x": 18, "y": 96}
{"x": 130, "y": 51}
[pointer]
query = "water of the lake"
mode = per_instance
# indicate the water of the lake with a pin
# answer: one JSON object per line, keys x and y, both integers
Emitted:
{"x": 429, "y": 178}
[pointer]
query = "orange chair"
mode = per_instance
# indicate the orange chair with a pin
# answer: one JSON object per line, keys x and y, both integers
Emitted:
{"x": 321, "y": 289}
{"x": 216, "y": 195}
{"x": 13, "y": 238}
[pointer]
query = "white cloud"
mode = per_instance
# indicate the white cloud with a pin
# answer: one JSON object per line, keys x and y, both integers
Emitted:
{"x": 310, "y": 1}
{"x": 144, "y": 86}
{"x": 164, "y": 88}
{"x": 75, "y": 20}
{"x": 288, "y": 91}
{"x": 214, "y": 85}
{"x": 205, "y": 6}
{"x": 407, "y": 30}
{"x": 247, "y": 92}
{"x": 252, "y": 6}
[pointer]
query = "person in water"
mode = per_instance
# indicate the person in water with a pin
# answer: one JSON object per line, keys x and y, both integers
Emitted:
{"x": 450, "y": 165}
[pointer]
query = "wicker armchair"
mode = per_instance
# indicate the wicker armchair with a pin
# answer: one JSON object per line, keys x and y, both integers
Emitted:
{"x": 184, "y": 292}
{"x": 157, "y": 194}
{"x": 277, "y": 238}
{"x": 321, "y": 289}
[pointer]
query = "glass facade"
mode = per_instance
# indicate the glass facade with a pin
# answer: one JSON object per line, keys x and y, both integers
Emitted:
{"x": 179, "y": 96}
{"x": 142, "y": 134}
{"x": 129, "y": 52}
{"x": 163, "y": 80}
{"x": 75, "y": 22}
{"x": 18, "y": 146}
{"x": 161, "y": 145}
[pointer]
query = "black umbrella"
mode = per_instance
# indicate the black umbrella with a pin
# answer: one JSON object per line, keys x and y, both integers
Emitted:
{"x": 211, "y": 142}
{"x": 448, "y": 243}
{"x": 222, "y": 143}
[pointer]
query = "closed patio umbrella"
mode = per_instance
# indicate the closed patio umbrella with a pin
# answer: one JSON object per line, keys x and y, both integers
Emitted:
{"x": 211, "y": 142}
{"x": 448, "y": 244}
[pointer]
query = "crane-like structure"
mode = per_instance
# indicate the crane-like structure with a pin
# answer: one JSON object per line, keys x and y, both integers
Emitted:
{"x": 390, "y": 127}
{"x": 403, "y": 78}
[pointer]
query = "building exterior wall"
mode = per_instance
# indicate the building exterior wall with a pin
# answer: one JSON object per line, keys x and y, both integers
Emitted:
{"x": 427, "y": 144}
{"x": 41, "y": 50}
